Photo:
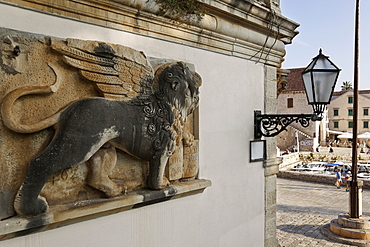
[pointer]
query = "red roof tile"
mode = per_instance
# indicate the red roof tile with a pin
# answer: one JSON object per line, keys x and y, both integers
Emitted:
{"x": 338, "y": 93}
{"x": 295, "y": 82}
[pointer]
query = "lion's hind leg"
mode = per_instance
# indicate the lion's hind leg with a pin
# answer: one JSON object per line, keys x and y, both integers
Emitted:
{"x": 27, "y": 201}
{"x": 59, "y": 155}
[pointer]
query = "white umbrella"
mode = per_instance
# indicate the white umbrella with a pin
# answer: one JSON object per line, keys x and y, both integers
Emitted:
{"x": 365, "y": 135}
{"x": 335, "y": 132}
{"x": 345, "y": 136}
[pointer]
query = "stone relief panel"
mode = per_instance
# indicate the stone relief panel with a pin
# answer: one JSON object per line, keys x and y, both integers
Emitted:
{"x": 84, "y": 121}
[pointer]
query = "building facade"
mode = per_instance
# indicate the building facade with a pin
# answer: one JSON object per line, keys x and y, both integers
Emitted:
{"x": 293, "y": 100}
{"x": 237, "y": 48}
{"x": 340, "y": 111}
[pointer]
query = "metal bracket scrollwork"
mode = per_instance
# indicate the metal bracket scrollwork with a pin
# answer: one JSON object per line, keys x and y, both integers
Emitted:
{"x": 270, "y": 125}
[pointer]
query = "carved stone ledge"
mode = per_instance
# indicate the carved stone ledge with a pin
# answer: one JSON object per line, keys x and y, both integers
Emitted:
{"x": 74, "y": 212}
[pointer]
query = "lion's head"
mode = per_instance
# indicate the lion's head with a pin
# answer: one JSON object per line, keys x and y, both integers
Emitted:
{"x": 179, "y": 85}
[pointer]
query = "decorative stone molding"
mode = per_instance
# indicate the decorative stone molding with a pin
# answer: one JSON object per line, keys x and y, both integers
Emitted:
{"x": 236, "y": 28}
{"x": 273, "y": 4}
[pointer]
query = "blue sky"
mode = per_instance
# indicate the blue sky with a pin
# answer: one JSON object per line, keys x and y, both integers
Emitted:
{"x": 329, "y": 24}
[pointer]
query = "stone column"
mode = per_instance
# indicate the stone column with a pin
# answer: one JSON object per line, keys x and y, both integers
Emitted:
{"x": 271, "y": 164}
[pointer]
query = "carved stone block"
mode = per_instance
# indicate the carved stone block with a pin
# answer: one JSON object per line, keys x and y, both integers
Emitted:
{"x": 191, "y": 160}
{"x": 175, "y": 164}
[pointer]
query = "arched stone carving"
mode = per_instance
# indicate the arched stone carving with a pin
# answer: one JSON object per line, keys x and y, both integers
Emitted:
{"x": 282, "y": 83}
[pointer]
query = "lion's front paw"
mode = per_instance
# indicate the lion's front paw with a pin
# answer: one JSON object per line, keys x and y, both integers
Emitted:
{"x": 158, "y": 184}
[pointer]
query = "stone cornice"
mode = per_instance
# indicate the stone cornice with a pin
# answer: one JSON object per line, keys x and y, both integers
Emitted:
{"x": 255, "y": 16}
{"x": 233, "y": 27}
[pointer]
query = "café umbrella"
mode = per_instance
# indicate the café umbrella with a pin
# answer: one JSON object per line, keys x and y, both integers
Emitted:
{"x": 345, "y": 136}
{"x": 365, "y": 135}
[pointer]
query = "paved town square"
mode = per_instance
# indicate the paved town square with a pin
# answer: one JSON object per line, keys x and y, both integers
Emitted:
{"x": 303, "y": 207}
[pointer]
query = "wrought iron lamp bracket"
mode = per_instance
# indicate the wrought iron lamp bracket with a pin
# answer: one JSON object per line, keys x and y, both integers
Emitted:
{"x": 270, "y": 125}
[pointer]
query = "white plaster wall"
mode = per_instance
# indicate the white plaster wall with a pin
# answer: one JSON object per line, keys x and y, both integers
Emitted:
{"x": 231, "y": 212}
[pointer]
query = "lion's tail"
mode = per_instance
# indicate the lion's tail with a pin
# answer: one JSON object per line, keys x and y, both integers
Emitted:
{"x": 8, "y": 102}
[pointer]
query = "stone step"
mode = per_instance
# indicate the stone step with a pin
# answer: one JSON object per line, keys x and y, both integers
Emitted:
{"x": 361, "y": 223}
{"x": 326, "y": 231}
{"x": 353, "y": 233}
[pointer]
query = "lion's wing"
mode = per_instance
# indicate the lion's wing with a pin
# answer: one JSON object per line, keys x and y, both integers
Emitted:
{"x": 118, "y": 71}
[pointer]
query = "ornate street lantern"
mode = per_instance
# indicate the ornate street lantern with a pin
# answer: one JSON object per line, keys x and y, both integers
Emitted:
{"x": 319, "y": 80}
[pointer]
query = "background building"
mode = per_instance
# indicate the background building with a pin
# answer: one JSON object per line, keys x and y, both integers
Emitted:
{"x": 293, "y": 100}
{"x": 340, "y": 112}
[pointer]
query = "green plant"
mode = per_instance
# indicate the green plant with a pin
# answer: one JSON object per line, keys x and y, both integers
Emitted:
{"x": 322, "y": 158}
{"x": 334, "y": 158}
{"x": 184, "y": 10}
{"x": 346, "y": 85}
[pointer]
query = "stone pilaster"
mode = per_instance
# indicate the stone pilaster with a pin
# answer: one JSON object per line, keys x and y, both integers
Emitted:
{"x": 271, "y": 169}
{"x": 271, "y": 164}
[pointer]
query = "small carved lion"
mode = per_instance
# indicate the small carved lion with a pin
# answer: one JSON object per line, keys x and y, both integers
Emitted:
{"x": 135, "y": 115}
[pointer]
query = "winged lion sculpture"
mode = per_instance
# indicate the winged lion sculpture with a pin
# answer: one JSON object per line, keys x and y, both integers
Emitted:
{"x": 139, "y": 113}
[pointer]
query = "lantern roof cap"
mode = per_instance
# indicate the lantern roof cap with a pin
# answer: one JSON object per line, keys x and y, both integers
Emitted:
{"x": 318, "y": 64}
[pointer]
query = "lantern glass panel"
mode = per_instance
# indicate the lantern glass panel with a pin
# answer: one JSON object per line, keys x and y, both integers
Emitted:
{"x": 319, "y": 79}
{"x": 308, "y": 86}
{"x": 323, "y": 83}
